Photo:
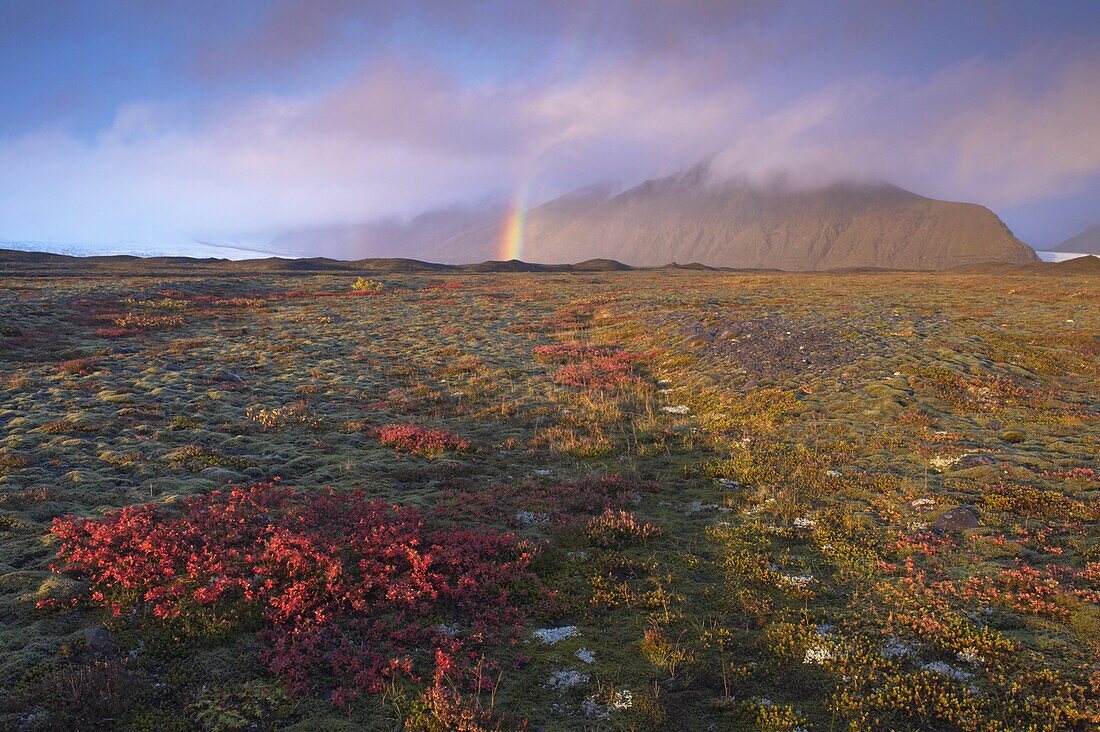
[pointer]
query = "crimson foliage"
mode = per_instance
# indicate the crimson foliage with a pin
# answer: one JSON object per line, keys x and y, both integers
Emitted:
{"x": 420, "y": 440}
{"x": 354, "y": 592}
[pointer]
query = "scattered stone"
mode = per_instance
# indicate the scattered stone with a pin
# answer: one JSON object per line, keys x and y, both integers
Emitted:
{"x": 527, "y": 518}
{"x": 229, "y": 376}
{"x": 894, "y": 648}
{"x": 945, "y": 669}
{"x": 922, "y": 504}
{"x": 960, "y": 518}
{"x": 697, "y": 339}
{"x": 618, "y": 700}
{"x": 974, "y": 461}
{"x": 99, "y": 640}
{"x": 678, "y": 409}
{"x": 698, "y": 507}
{"x": 550, "y": 636}
{"x": 562, "y": 680}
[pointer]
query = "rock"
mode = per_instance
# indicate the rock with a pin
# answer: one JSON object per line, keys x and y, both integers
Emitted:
{"x": 974, "y": 461}
{"x": 1013, "y": 436}
{"x": 959, "y": 518}
{"x": 550, "y": 636}
{"x": 229, "y": 376}
{"x": 220, "y": 475}
{"x": 99, "y": 640}
{"x": 528, "y": 518}
{"x": 696, "y": 340}
{"x": 566, "y": 679}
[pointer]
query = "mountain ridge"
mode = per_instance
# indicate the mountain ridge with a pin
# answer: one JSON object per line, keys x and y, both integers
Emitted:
{"x": 1087, "y": 242}
{"x": 688, "y": 217}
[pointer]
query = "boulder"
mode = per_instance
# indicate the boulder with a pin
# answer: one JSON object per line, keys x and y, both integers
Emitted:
{"x": 228, "y": 376}
{"x": 99, "y": 640}
{"x": 220, "y": 475}
{"x": 695, "y": 340}
{"x": 957, "y": 519}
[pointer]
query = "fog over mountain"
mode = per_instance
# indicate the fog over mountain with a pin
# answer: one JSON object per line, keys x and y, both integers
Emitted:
{"x": 686, "y": 217}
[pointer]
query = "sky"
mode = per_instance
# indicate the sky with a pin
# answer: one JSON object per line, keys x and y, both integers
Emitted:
{"x": 170, "y": 123}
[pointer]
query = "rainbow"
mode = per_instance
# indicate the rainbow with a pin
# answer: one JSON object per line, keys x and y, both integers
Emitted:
{"x": 511, "y": 238}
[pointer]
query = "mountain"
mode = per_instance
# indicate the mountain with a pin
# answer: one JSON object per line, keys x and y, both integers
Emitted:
{"x": 689, "y": 218}
{"x": 1087, "y": 242}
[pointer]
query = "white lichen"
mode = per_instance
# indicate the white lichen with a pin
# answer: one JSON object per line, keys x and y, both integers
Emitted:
{"x": 550, "y": 636}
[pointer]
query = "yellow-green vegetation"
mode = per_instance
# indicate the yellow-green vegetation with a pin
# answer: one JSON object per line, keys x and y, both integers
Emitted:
{"x": 362, "y": 284}
{"x": 762, "y": 501}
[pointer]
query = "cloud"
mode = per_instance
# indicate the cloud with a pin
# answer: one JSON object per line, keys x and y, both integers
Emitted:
{"x": 289, "y": 33}
{"x": 1000, "y": 133}
{"x": 666, "y": 89}
{"x": 397, "y": 139}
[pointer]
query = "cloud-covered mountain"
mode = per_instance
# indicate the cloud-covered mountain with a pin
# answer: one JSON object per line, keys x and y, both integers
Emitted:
{"x": 688, "y": 218}
{"x": 1087, "y": 242}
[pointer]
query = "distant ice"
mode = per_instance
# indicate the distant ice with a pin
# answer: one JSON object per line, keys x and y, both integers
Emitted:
{"x": 198, "y": 250}
{"x": 1058, "y": 256}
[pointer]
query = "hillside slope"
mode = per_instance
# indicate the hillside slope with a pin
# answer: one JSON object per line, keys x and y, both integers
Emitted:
{"x": 1087, "y": 242}
{"x": 683, "y": 218}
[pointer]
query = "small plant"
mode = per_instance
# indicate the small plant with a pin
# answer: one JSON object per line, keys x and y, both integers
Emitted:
{"x": 276, "y": 418}
{"x": 353, "y": 592}
{"x": 366, "y": 286}
{"x": 240, "y": 707}
{"x": 663, "y": 653}
{"x": 139, "y": 321}
{"x": 420, "y": 440}
{"x": 617, "y": 528}
{"x": 78, "y": 367}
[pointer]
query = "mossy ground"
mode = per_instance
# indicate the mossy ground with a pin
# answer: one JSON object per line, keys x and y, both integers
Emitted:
{"x": 794, "y": 581}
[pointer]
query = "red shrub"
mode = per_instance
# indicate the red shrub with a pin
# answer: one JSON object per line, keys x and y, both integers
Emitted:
{"x": 600, "y": 373}
{"x": 353, "y": 592}
{"x": 115, "y": 332}
{"x": 589, "y": 366}
{"x": 616, "y": 528}
{"x": 78, "y": 367}
{"x": 420, "y": 440}
{"x": 564, "y": 352}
